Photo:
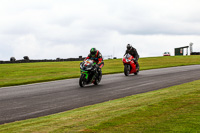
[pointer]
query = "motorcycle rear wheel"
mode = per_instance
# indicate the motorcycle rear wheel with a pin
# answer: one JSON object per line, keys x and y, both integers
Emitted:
{"x": 136, "y": 73}
{"x": 82, "y": 81}
{"x": 98, "y": 80}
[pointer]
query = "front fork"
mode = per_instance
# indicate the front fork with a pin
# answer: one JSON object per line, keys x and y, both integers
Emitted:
{"x": 85, "y": 73}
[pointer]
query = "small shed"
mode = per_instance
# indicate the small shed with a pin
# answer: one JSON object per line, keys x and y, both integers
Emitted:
{"x": 180, "y": 50}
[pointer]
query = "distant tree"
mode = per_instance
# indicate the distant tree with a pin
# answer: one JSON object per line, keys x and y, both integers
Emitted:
{"x": 12, "y": 59}
{"x": 26, "y": 58}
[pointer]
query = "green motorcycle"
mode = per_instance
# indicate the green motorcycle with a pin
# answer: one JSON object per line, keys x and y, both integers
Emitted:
{"x": 89, "y": 73}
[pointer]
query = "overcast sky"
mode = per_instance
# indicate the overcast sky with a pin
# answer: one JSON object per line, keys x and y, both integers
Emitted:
{"x": 47, "y": 29}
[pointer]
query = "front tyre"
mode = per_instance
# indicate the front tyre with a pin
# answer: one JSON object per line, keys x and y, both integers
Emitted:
{"x": 82, "y": 81}
{"x": 126, "y": 69}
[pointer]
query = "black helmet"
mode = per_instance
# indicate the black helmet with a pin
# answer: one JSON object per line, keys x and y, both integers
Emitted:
{"x": 93, "y": 51}
{"x": 128, "y": 46}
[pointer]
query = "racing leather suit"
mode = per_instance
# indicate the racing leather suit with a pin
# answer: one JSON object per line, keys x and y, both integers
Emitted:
{"x": 134, "y": 53}
{"x": 98, "y": 59}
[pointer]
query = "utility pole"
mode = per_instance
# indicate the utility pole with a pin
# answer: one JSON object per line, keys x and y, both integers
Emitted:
{"x": 113, "y": 51}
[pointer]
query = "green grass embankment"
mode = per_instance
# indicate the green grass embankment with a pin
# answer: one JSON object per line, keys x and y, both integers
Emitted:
{"x": 173, "y": 109}
{"x": 24, "y": 73}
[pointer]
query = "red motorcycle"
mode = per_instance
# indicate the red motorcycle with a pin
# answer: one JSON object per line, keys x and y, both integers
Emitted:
{"x": 129, "y": 65}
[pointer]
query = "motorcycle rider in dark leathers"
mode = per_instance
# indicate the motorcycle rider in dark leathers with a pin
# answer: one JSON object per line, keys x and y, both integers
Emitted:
{"x": 132, "y": 51}
{"x": 97, "y": 57}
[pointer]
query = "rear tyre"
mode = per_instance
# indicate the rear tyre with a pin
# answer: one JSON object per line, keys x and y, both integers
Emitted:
{"x": 136, "y": 73}
{"x": 126, "y": 69}
{"x": 98, "y": 79}
{"x": 82, "y": 81}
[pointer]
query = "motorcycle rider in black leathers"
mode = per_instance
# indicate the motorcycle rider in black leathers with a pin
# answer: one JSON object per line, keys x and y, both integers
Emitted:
{"x": 132, "y": 51}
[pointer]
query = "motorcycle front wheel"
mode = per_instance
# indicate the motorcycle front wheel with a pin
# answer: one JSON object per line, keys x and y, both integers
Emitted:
{"x": 126, "y": 69}
{"x": 82, "y": 81}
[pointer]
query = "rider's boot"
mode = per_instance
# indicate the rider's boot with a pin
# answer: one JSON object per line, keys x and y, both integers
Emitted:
{"x": 137, "y": 66}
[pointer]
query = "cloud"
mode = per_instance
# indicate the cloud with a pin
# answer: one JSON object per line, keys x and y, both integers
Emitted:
{"x": 51, "y": 29}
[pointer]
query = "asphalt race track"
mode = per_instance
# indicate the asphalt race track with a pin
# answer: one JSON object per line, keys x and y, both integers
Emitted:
{"x": 34, "y": 100}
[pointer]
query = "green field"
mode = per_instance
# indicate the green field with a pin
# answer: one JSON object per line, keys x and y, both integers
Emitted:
{"x": 173, "y": 109}
{"x": 25, "y": 73}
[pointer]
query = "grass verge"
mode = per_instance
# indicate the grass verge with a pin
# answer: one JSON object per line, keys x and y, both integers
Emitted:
{"x": 173, "y": 109}
{"x": 25, "y": 73}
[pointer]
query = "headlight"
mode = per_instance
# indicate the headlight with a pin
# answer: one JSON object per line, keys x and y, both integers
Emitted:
{"x": 127, "y": 60}
{"x": 88, "y": 68}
